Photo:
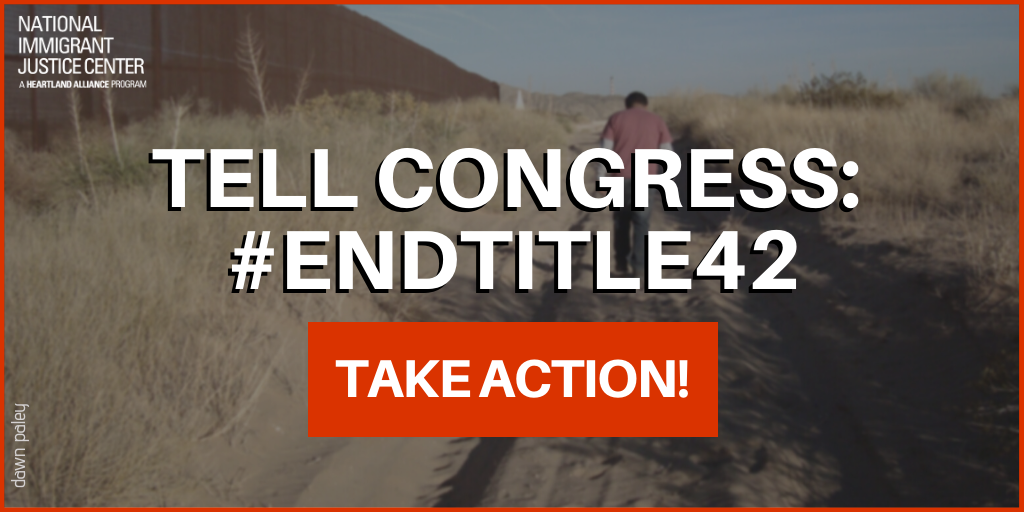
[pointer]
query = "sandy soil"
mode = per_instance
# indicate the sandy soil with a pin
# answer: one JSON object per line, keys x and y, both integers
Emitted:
{"x": 854, "y": 390}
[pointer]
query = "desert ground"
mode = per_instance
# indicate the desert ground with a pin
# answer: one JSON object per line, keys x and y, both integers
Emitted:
{"x": 888, "y": 378}
{"x": 853, "y": 391}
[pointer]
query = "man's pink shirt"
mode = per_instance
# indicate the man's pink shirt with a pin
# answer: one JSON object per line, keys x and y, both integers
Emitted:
{"x": 634, "y": 129}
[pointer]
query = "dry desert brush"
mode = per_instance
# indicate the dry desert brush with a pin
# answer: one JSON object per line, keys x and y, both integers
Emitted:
{"x": 121, "y": 330}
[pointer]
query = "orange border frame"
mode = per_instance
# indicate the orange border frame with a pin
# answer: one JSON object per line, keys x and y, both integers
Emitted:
{"x": 1020, "y": 169}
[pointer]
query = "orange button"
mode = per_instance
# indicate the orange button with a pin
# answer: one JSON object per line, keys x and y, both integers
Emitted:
{"x": 481, "y": 379}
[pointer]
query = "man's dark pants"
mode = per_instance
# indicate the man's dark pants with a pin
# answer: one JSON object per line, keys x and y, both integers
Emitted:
{"x": 640, "y": 221}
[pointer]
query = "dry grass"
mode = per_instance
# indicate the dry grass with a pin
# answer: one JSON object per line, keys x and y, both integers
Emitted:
{"x": 121, "y": 329}
{"x": 123, "y": 367}
{"x": 938, "y": 179}
{"x": 250, "y": 59}
{"x": 933, "y": 179}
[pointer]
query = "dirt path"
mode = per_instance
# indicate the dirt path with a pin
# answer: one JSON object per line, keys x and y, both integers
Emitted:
{"x": 853, "y": 390}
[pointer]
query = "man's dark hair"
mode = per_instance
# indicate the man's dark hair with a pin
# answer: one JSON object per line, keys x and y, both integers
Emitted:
{"x": 634, "y": 98}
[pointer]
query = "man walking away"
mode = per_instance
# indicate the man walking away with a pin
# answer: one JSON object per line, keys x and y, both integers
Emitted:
{"x": 627, "y": 131}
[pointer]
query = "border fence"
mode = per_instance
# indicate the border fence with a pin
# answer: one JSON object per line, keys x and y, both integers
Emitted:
{"x": 191, "y": 50}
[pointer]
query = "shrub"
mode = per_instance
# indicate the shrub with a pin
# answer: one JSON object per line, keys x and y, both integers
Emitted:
{"x": 960, "y": 94}
{"x": 844, "y": 89}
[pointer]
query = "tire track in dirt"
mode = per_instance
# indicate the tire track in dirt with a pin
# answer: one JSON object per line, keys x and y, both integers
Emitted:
{"x": 469, "y": 485}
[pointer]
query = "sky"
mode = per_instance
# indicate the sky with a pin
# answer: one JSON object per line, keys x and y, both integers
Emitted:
{"x": 728, "y": 49}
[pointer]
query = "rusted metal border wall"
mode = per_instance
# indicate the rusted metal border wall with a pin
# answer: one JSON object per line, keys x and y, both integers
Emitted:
{"x": 192, "y": 50}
